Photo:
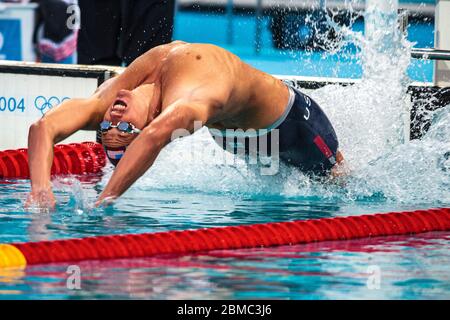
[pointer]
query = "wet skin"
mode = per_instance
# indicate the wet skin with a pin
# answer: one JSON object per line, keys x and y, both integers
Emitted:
{"x": 168, "y": 88}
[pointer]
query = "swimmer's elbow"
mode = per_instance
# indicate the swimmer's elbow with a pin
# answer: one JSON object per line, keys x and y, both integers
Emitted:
{"x": 40, "y": 128}
{"x": 154, "y": 138}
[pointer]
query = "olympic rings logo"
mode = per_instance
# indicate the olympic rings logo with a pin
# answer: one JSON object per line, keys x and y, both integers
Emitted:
{"x": 43, "y": 104}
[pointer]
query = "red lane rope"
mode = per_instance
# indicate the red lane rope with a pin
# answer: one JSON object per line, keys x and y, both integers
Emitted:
{"x": 236, "y": 237}
{"x": 74, "y": 158}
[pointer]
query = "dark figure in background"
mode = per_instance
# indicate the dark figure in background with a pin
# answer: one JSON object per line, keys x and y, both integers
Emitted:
{"x": 116, "y": 32}
{"x": 55, "y": 37}
{"x": 295, "y": 29}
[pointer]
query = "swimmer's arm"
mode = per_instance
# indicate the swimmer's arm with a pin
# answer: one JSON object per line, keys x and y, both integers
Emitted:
{"x": 142, "y": 70}
{"x": 55, "y": 126}
{"x": 142, "y": 152}
{"x": 77, "y": 114}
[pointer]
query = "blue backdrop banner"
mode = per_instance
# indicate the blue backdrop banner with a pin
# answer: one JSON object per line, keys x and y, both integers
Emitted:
{"x": 10, "y": 39}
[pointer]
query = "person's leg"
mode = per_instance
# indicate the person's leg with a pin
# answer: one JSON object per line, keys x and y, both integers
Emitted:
{"x": 147, "y": 24}
{"x": 98, "y": 36}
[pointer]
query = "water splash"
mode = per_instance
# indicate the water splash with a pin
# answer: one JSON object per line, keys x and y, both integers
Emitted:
{"x": 414, "y": 172}
{"x": 71, "y": 195}
{"x": 370, "y": 118}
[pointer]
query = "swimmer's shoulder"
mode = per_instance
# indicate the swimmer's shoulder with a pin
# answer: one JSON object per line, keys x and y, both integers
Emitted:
{"x": 161, "y": 52}
{"x": 183, "y": 49}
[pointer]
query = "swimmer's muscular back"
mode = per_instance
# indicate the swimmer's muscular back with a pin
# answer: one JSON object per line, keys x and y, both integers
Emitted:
{"x": 241, "y": 96}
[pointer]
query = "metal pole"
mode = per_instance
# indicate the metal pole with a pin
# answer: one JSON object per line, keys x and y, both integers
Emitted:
{"x": 258, "y": 32}
{"x": 230, "y": 29}
{"x": 442, "y": 41}
{"x": 403, "y": 21}
{"x": 432, "y": 54}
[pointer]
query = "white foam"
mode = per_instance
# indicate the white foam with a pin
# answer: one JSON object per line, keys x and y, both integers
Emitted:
{"x": 369, "y": 118}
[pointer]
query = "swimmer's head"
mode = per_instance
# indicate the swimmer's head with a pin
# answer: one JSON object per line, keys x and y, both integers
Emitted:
{"x": 125, "y": 118}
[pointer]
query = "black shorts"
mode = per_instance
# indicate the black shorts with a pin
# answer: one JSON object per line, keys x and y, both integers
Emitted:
{"x": 306, "y": 139}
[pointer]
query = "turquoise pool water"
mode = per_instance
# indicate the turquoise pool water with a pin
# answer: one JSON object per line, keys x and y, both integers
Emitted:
{"x": 195, "y": 184}
{"x": 410, "y": 267}
{"x": 180, "y": 193}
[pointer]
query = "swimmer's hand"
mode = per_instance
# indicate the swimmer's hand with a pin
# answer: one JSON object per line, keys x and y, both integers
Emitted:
{"x": 340, "y": 169}
{"x": 42, "y": 201}
{"x": 105, "y": 202}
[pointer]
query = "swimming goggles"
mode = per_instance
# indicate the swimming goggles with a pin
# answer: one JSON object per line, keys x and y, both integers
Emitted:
{"x": 122, "y": 126}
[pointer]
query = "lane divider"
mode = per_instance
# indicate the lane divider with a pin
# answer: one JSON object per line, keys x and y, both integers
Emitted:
{"x": 74, "y": 158}
{"x": 233, "y": 237}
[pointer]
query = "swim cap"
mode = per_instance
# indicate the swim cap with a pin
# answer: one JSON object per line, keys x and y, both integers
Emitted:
{"x": 115, "y": 154}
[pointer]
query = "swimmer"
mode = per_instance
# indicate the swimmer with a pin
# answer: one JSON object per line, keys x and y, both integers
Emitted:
{"x": 172, "y": 87}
